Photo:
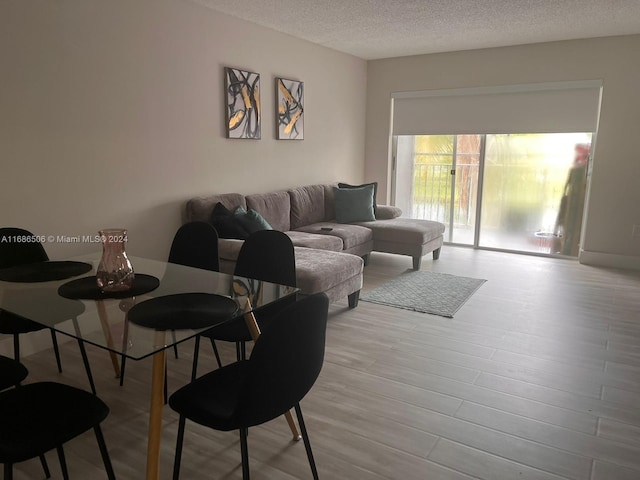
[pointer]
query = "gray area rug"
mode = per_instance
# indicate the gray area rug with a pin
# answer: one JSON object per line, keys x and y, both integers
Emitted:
{"x": 427, "y": 292}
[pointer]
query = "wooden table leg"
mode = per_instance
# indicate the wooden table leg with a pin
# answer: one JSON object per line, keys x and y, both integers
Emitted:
{"x": 254, "y": 329}
{"x": 155, "y": 411}
{"x": 292, "y": 426}
{"x": 252, "y": 325}
{"x": 104, "y": 322}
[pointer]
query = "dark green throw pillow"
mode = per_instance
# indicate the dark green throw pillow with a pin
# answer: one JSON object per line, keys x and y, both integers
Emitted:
{"x": 251, "y": 220}
{"x": 226, "y": 223}
{"x": 354, "y": 204}
{"x": 375, "y": 191}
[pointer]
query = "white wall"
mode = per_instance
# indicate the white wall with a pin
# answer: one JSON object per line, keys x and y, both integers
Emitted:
{"x": 614, "y": 204}
{"x": 112, "y": 114}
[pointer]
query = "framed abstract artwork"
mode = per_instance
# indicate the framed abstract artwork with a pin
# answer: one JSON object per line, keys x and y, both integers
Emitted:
{"x": 290, "y": 109}
{"x": 243, "y": 104}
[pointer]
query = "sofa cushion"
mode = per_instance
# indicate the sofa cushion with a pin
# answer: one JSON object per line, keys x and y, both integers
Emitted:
{"x": 312, "y": 240}
{"x": 329, "y": 203}
{"x": 320, "y": 270}
{"x": 337, "y": 274}
{"x": 405, "y": 230}
{"x": 307, "y": 205}
{"x": 354, "y": 204}
{"x": 229, "y": 249}
{"x": 351, "y": 235}
{"x": 275, "y": 207}
{"x": 375, "y": 191}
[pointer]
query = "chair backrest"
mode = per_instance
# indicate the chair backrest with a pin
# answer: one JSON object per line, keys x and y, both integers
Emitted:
{"x": 267, "y": 255}
{"x": 195, "y": 244}
{"x": 15, "y": 249}
{"x": 285, "y": 361}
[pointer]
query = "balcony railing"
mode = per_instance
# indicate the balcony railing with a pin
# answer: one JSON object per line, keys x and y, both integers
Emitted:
{"x": 432, "y": 192}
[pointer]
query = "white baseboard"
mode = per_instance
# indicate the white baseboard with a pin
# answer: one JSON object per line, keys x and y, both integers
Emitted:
{"x": 609, "y": 260}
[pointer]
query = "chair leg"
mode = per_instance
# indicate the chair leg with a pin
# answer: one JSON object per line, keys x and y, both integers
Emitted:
{"x": 175, "y": 345}
{"x": 244, "y": 452}
{"x": 196, "y": 352}
{"x": 106, "y": 459}
{"x": 45, "y": 467}
{"x": 16, "y": 347}
{"x": 123, "y": 363}
{"x": 177, "y": 459}
{"x": 87, "y": 367}
{"x": 56, "y": 350}
{"x": 125, "y": 347}
{"x": 8, "y": 471}
{"x": 215, "y": 352}
{"x": 63, "y": 462}
{"x": 307, "y": 444}
{"x": 241, "y": 350}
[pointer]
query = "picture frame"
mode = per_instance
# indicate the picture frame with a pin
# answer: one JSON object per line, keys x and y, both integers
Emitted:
{"x": 243, "y": 116}
{"x": 289, "y": 109}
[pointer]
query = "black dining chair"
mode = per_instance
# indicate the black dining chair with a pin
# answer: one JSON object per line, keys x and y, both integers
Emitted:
{"x": 195, "y": 244}
{"x": 12, "y": 372}
{"x": 13, "y": 253}
{"x": 39, "y": 417}
{"x": 283, "y": 366}
{"x": 266, "y": 255}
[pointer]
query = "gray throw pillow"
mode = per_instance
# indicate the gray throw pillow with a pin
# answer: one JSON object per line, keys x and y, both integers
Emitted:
{"x": 354, "y": 204}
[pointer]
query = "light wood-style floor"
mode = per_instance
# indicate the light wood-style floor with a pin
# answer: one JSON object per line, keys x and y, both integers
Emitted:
{"x": 536, "y": 377}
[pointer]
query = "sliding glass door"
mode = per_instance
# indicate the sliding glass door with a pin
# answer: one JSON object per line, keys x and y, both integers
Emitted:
{"x": 527, "y": 180}
{"x": 516, "y": 192}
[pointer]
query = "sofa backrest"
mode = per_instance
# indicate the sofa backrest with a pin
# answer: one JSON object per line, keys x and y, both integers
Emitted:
{"x": 200, "y": 209}
{"x": 329, "y": 202}
{"x": 275, "y": 207}
{"x": 307, "y": 205}
{"x": 284, "y": 210}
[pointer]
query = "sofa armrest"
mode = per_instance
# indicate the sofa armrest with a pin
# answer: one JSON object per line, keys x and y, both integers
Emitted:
{"x": 387, "y": 212}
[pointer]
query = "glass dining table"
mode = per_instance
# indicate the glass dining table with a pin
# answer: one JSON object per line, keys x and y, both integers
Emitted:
{"x": 103, "y": 320}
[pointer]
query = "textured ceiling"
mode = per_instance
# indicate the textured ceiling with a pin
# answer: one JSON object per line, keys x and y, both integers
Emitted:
{"x": 373, "y": 29}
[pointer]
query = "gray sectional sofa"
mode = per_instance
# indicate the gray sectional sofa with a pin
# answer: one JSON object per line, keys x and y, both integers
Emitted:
{"x": 330, "y": 256}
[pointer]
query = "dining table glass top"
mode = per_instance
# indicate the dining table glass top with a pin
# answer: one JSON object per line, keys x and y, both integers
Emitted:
{"x": 104, "y": 322}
